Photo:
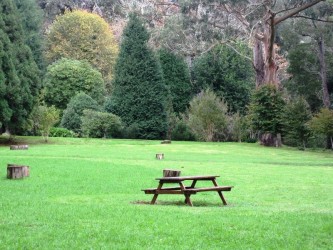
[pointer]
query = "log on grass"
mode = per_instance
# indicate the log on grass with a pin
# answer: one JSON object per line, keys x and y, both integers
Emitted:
{"x": 160, "y": 156}
{"x": 18, "y": 147}
{"x": 17, "y": 171}
{"x": 171, "y": 173}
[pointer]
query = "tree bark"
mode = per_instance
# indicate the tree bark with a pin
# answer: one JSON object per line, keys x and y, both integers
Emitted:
{"x": 323, "y": 72}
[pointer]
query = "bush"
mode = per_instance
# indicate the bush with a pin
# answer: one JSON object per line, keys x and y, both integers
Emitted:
{"x": 296, "y": 116}
{"x": 266, "y": 114}
{"x": 182, "y": 132}
{"x": 61, "y": 132}
{"x": 100, "y": 125}
{"x": 322, "y": 124}
{"x": 207, "y": 117}
{"x": 71, "y": 118}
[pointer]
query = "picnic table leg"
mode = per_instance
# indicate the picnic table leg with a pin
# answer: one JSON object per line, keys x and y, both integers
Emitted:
{"x": 220, "y": 193}
{"x": 187, "y": 196}
{"x": 156, "y": 195}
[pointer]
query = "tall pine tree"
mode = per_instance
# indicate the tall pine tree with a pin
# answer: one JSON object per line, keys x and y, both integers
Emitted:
{"x": 19, "y": 74}
{"x": 139, "y": 96}
{"x": 177, "y": 78}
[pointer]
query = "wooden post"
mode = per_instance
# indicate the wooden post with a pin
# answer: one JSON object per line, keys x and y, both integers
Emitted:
{"x": 160, "y": 156}
{"x": 16, "y": 171}
{"x": 171, "y": 173}
{"x": 17, "y": 147}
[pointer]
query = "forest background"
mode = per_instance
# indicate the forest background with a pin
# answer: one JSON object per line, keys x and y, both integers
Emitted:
{"x": 242, "y": 70}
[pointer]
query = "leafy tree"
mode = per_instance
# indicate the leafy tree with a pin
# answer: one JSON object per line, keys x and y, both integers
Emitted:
{"x": 71, "y": 118}
{"x": 296, "y": 116}
{"x": 265, "y": 111}
{"x": 139, "y": 91}
{"x": 66, "y": 77}
{"x": 177, "y": 79}
{"x": 81, "y": 35}
{"x": 44, "y": 118}
{"x": 207, "y": 116}
{"x": 19, "y": 74}
{"x": 322, "y": 123}
{"x": 227, "y": 73}
{"x": 304, "y": 82}
{"x": 100, "y": 124}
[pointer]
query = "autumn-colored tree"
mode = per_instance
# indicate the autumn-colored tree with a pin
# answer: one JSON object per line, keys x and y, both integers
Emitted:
{"x": 81, "y": 35}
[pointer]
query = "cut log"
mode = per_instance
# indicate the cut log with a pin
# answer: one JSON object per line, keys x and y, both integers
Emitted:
{"x": 17, "y": 147}
{"x": 160, "y": 156}
{"x": 17, "y": 172}
{"x": 171, "y": 173}
{"x": 166, "y": 142}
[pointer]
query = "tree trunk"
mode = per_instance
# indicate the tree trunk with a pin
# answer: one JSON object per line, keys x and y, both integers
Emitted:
{"x": 323, "y": 72}
{"x": 264, "y": 49}
{"x": 264, "y": 53}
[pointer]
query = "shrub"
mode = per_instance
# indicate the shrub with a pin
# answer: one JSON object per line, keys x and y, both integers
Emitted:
{"x": 182, "y": 132}
{"x": 99, "y": 124}
{"x": 296, "y": 116}
{"x": 61, "y": 132}
{"x": 71, "y": 118}
{"x": 322, "y": 124}
{"x": 266, "y": 114}
{"x": 207, "y": 116}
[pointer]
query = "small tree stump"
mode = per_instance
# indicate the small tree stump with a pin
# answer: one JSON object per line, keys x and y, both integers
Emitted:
{"x": 16, "y": 171}
{"x": 166, "y": 142}
{"x": 160, "y": 156}
{"x": 18, "y": 147}
{"x": 171, "y": 173}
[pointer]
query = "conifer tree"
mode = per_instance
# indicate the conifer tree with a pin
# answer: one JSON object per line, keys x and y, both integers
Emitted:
{"x": 177, "y": 79}
{"x": 139, "y": 96}
{"x": 19, "y": 74}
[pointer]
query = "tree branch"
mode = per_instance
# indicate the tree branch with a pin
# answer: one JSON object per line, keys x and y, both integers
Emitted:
{"x": 296, "y": 10}
{"x": 310, "y": 18}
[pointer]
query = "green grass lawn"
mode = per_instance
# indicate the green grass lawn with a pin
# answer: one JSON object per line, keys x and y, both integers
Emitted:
{"x": 86, "y": 194}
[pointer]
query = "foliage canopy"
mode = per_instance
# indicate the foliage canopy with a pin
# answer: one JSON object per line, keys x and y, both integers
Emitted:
{"x": 83, "y": 36}
{"x": 66, "y": 77}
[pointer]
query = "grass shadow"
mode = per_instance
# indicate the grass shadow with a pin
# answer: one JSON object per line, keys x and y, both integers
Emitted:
{"x": 180, "y": 203}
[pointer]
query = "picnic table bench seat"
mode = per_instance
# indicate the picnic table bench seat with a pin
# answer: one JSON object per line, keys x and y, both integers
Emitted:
{"x": 188, "y": 190}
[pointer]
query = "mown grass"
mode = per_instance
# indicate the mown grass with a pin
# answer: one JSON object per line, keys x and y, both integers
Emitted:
{"x": 86, "y": 194}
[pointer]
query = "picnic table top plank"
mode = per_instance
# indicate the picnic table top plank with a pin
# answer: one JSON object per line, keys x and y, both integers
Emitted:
{"x": 184, "y": 178}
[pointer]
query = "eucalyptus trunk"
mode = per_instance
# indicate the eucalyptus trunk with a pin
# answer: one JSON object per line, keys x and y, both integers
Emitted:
{"x": 323, "y": 72}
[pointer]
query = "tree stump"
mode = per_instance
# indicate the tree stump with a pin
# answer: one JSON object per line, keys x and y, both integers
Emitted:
{"x": 16, "y": 171}
{"x": 160, "y": 156}
{"x": 171, "y": 173}
{"x": 270, "y": 140}
{"x": 18, "y": 147}
{"x": 166, "y": 142}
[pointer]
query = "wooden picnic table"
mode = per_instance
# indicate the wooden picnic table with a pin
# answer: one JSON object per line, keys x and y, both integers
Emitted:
{"x": 187, "y": 191}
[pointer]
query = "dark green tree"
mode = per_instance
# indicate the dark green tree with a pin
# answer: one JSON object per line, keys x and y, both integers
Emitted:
{"x": 71, "y": 118}
{"x": 266, "y": 114}
{"x": 304, "y": 69}
{"x": 177, "y": 79}
{"x": 227, "y": 73}
{"x": 65, "y": 78}
{"x": 32, "y": 20}
{"x": 322, "y": 123}
{"x": 139, "y": 91}
{"x": 296, "y": 116}
{"x": 19, "y": 74}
